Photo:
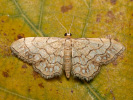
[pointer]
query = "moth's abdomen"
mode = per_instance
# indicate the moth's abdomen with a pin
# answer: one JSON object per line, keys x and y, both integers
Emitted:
{"x": 67, "y": 57}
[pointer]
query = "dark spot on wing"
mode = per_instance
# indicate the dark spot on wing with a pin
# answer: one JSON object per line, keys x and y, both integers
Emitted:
{"x": 66, "y": 8}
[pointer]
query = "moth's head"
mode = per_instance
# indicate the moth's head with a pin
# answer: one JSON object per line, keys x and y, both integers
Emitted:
{"x": 68, "y": 35}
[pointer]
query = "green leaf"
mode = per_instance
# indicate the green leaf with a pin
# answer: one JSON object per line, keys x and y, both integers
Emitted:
{"x": 93, "y": 19}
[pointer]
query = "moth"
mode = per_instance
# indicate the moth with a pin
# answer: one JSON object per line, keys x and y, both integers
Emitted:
{"x": 80, "y": 57}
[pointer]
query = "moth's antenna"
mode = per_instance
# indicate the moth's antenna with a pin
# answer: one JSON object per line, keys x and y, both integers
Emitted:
{"x": 60, "y": 23}
{"x": 71, "y": 24}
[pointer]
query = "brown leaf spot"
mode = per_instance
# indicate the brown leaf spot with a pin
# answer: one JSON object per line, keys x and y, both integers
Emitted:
{"x": 113, "y": 2}
{"x": 20, "y": 36}
{"x": 110, "y": 15}
{"x": 50, "y": 89}
{"x": 98, "y": 18}
{"x": 29, "y": 90}
{"x": 115, "y": 63}
{"x": 2, "y": 21}
{"x": 5, "y": 74}
{"x": 24, "y": 66}
{"x": 116, "y": 39}
{"x": 57, "y": 91}
{"x": 66, "y": 8}
{"x": 35, "y": 75}
{"x": 121, "y": 56}
{"x": 41, "y": 85}
{"x": 93, "y": 32}
{"x": 71, "y": 91}
{"x": 5, "y": 34}
{"x": 5, "y": 47}
{"x": 112, "y": 94}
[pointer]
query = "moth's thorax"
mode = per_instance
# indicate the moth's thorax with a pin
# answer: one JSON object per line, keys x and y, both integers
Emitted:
{"x": 68, "y": 36}
{"x": 67, "y": 56}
